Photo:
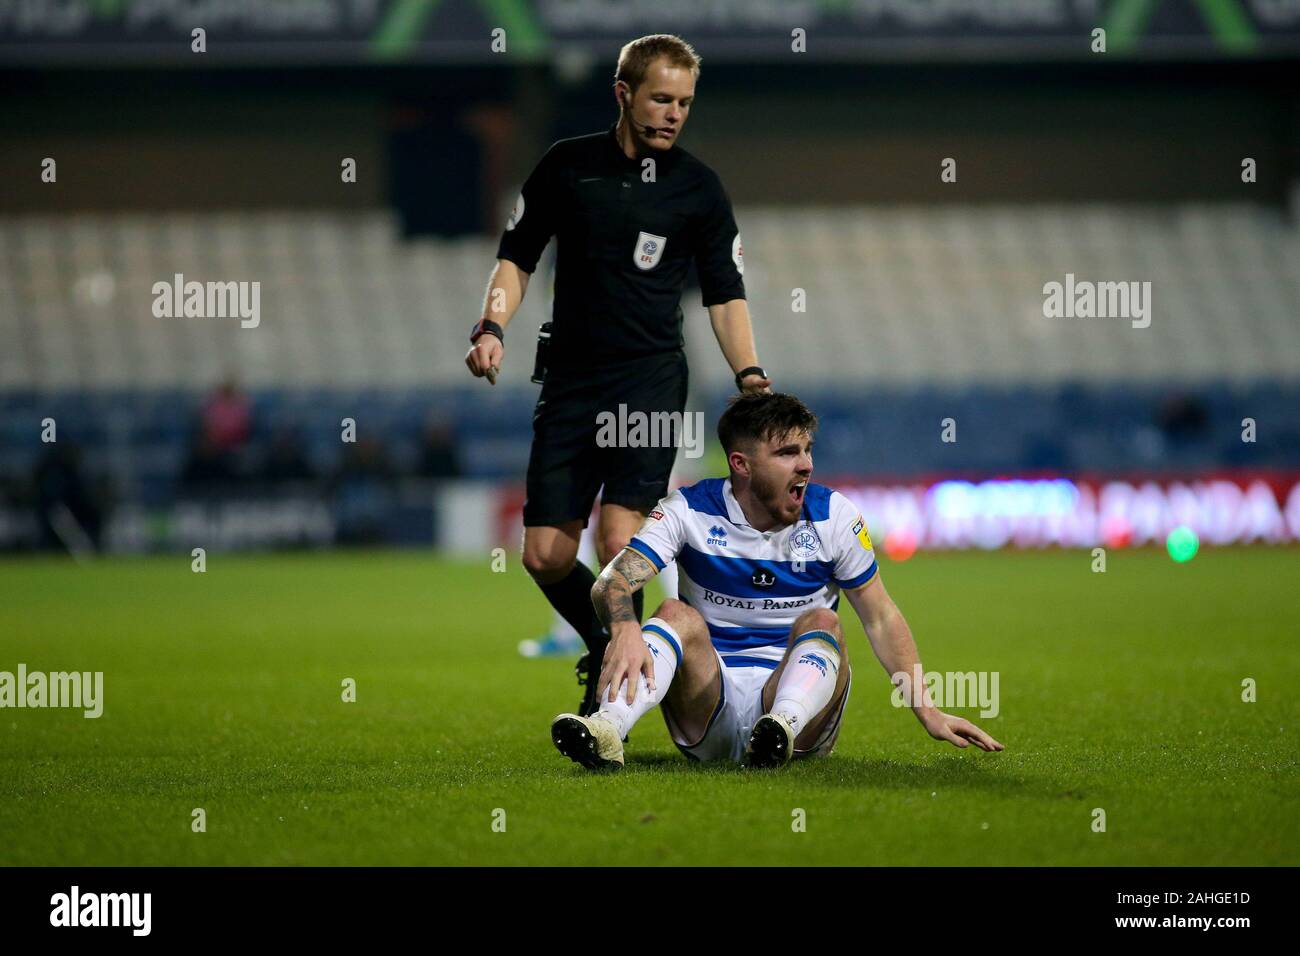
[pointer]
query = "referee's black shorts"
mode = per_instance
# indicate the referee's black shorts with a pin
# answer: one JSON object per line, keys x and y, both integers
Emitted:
{"x": 566, "y": 467}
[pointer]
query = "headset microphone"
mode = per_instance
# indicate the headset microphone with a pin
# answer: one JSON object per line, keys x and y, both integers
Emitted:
{"x": 645, "y": 129}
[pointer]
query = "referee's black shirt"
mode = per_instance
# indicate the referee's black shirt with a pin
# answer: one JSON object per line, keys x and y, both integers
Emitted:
{"x": 624, "y": 246}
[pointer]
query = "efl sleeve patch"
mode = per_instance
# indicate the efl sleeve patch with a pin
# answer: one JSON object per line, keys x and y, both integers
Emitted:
{"x": 534, "y": 218}
{"x": 719, "y": 254}
{"x": 854, "y": 556}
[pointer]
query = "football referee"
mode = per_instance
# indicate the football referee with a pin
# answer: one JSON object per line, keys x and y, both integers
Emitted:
{"x": 630, "y": 210}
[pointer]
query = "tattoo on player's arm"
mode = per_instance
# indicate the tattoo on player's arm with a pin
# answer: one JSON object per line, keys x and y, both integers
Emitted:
{"x": 636, "y": 570}
{"x": 622, "y": 578}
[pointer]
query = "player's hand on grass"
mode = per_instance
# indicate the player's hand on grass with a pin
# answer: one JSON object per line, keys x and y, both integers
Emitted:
{"x": 957, "y": 731}
{"x": 484, "y": 358}
{"x": 626, "y": 658}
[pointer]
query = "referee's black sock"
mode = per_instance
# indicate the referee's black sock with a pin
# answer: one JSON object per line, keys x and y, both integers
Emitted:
{"x": 571, "y": 597}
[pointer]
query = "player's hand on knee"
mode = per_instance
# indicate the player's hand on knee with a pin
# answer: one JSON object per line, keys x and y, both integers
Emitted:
{"x": 484, "y": 358}
{"x": 626, "y": 659}
{"x": 958, "y": 731}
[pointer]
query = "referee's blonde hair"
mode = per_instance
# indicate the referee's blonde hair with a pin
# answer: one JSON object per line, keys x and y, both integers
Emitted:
{"x": 635, "y": 58}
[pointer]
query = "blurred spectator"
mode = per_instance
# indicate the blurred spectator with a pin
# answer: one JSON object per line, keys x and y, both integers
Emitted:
{"x": 286, "y": 460}
{"x": 364, "y": 460}
{"x": 363, "y": 493}
{"x": 1183, "y": 418}
{"x": 438, "y": 458}
{"x": 227, "y": 417}
{"x": 69, "y": 515}
{"x": 208, "y": 464}
{"x": 1046, "y": 453}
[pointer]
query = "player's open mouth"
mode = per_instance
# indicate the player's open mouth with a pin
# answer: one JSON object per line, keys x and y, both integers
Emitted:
{"x": 797, "y": 490}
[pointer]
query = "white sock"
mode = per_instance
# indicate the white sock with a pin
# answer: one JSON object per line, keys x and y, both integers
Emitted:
{"x": 808, "y": 681}
{"x": 665, "y": 647}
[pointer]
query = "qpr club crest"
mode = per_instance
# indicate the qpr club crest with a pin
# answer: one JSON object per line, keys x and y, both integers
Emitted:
{"x": 804, "y": 542}
{"x": 649, "y": 250}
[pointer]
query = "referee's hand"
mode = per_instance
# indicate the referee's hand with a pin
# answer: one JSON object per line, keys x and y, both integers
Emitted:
{"x": 484, "y": 358}
{"x": 753, "y": 384}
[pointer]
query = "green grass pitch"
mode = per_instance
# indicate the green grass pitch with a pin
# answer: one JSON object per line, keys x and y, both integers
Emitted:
{"x": 222, "y": 691}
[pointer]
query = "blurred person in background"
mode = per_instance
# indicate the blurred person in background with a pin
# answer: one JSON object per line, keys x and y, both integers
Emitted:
{"x": 227, "y": 417}
{"x": 224, "y": 424}
{"x": 363, "y": 492}
{"x": 208, "y": 466}
{"x": 438, "y": 457}
{"x": 286, "y": 459}
{"x": 68, "y": 513}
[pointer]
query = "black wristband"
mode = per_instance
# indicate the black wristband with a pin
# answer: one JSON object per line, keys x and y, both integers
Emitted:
{"x": 752, "y": 370}
{"x": 486, "y": 327}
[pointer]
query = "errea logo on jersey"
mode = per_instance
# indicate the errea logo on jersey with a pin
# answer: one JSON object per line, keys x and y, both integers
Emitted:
{"x": 717, "y": 535}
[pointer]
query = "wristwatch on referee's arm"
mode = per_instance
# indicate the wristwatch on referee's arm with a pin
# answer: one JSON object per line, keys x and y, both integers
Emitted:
{"x": 744, "y": 373}
{"x": 486, "y": 327}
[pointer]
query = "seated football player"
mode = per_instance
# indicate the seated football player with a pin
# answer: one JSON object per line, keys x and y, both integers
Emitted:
{"x": 749, "y": 664}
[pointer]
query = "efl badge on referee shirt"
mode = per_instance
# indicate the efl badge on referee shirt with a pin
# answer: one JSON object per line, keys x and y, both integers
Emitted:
{"x": 649, "y": 250}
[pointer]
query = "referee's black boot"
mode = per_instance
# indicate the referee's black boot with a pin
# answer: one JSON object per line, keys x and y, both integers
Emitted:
{"x": 588, "y": 671}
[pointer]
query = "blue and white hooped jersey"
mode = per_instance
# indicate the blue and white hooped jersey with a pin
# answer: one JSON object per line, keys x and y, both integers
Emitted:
{"x": 751, "y": 585}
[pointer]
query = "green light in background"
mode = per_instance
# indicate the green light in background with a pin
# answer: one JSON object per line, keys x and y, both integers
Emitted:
{"x": 1182, "y": 543}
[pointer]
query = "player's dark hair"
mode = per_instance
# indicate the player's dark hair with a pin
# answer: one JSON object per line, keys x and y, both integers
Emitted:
{"x": 754, "y": 418}
{"x": 635, "y": 57}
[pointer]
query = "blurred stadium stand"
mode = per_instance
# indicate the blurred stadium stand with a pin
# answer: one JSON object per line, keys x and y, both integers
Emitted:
{"x": 948, "y": 295}
{"x": 913, "y": 316}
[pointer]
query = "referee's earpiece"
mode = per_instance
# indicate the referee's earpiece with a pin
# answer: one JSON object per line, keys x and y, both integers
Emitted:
{"x": 646, "y": 129}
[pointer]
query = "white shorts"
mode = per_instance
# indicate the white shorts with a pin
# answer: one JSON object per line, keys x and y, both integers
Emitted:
{"x": 739, "y": 706}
